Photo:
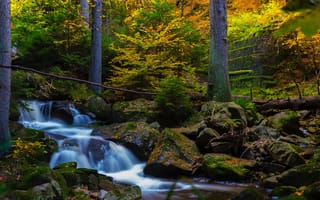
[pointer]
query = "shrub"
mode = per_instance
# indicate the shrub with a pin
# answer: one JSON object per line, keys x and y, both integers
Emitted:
{"x": 172, "y": 101}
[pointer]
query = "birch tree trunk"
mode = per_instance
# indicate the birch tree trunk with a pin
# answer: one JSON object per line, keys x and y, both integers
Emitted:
{"x": 5, "y": 74}
{"x": 95, "y": 73}
{"x": 84, "y": 8}
{"x": 218, "y": 77}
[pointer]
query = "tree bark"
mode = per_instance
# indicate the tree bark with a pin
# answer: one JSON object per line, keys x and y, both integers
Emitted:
{"x": 5, "y": 74}
{"x": 218, "y": 77}
{"x": 84, "y": 8}
{"x": 306, "y": 103}
{"x": 95, "y": 73}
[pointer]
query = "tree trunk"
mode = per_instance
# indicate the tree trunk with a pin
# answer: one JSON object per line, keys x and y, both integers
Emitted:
{"x": 218, "y": 77}
{"x": 306, "y": 103}
{"x": 95, "y": 73}
{"x": 84, "y": 8}
{"x": 5, "y": 74}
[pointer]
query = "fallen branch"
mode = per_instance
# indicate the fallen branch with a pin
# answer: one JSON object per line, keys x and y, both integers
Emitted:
{"x": 305, "y": 103}
{"x": 75, "y": 79}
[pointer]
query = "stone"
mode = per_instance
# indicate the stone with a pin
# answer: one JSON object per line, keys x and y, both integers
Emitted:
{"x": 287, "y": 121}
{"x": 173, "y": 156}
{"x": 125, "y": 193}
{"x": 204, "y": 138}
{"x": 225, "y": 167}
{"x": 100, "y": 108}
{"x": 285, "y": 153}
{"x": 250, "y": 194}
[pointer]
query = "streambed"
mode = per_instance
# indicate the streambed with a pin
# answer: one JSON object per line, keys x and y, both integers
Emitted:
{"x": 76, "y": 144}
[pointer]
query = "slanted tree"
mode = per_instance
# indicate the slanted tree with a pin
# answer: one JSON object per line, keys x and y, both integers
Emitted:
{"x": 95, "y": 73}
{"x": 5, "y": 74}
{"x": 218, "y": 77}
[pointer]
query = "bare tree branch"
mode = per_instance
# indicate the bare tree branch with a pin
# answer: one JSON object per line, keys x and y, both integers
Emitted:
{"x": 76, "y": 80}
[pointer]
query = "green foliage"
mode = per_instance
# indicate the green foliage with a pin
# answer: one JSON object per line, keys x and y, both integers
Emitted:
{"x": 172, "y": 101}
{"x": 49, "y": 32}
{"x": 158, "y": 44}
{"x": 245, "y": 25}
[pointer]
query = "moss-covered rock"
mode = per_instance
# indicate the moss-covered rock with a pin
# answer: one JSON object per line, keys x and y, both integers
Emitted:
{"x": 287, "y": 121}
{"x": 174, "y": 155}
{"x": 312, "y": 192}
{"x": 225, "y": 167}
{"x": 125, "y": 193}
{"x": 285, "y": 153}
{"x": 225, "y": 115}
{"x": 250, "y": 193}
{"x": 100, "y": 108}
{"x": 283, "y": 191}
{"x": 298, "y": 176}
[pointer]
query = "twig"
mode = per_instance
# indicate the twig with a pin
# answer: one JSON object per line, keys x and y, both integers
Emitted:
{"x": 75, "y": 79}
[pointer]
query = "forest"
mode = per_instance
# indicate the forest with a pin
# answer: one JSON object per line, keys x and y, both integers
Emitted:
{"x": 160, "y": 99}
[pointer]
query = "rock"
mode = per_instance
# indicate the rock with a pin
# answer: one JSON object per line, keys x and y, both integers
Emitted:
{"x": 60, "y": 110}
{"x": 312, "y": 192}
{"x": 225, "y": 116}
{"x": 126, "y": 193}
{"x": 174, "y": 155}
{"x": 265, "y": 132}
{"x": 283, "y": 191}
{"x": 204, "y": 138}
{"x": 285, "y": 153}
{"x": 287, "y": 121}
{"x": 47, "y": 191}
{"x": 298, "y": 176}
{"x": 101, "y": 109}
{"x": 250, "y": 194}
{"x": 227, "y": 143}
{"x": 139, "y": 137}
{"x": 192, "y": 131}
{"x": 225, "y": 167}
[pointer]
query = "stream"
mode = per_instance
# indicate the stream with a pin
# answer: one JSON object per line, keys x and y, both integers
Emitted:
{"x": 76, "y": 144}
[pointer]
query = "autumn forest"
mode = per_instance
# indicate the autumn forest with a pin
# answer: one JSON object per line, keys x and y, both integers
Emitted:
{"x": 159, "y": 99}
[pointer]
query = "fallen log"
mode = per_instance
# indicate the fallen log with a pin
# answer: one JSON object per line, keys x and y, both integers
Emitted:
{"x": 305, "y": 103}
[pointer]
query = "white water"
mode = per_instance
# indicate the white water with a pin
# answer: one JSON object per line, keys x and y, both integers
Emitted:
{"x": 76, "y": 144}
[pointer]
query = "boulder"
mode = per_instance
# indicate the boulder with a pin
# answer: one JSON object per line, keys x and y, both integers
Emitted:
{"x": 225, "y": 116}
{"x": 60, "y": 110}
{"x": 225, "y": 167}
{"x": 204, "y": 138}
{"x": 287, "y": 121}
{"x": 192, "y": 131}
{"x": 100, "y": 108}
{"x": 139, "y": 137}
{"x": 312, "y": 192}
{"x": 250, "y": 194}
{"x": 285, "y": 153}
{"x": 174, "y": 155}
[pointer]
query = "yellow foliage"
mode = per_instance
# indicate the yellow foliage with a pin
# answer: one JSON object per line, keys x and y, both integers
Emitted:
{"x": 25, "y": 150}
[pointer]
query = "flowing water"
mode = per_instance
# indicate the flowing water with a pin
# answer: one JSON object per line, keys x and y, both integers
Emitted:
{"x": 76, "y": 144}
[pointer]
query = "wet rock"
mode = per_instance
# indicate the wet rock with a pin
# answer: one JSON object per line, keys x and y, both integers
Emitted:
{"x": 174, "y": 155}
{"x": 100, "y": 108}
{"x": 285, "y": 153}
{"x": 60, "y": 110}
{"x": 225, "y": 167}
{"x": 139, "y": 137}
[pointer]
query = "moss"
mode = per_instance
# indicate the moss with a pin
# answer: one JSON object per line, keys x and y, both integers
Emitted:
{"x": 224, "y": 167}
{"x": 293, "y": 197}
{"x": 283, "y": 190}
{"x": 130, "y": 126}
